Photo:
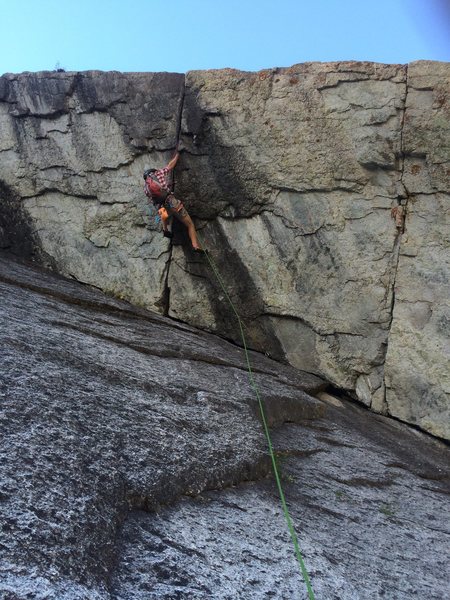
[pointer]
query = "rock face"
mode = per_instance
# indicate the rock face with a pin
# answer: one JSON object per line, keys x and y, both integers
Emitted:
{"x": 417, "y": 360}
{"x": 133, "y": 465}
{"x": 73, "y": 153}
{"x": 317, "y": 158}
{"x": 107, "y": 409}
{"x": 293, "y": 176}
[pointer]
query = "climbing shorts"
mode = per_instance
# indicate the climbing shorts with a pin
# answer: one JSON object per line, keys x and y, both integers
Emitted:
{"x": 174, "y": 205}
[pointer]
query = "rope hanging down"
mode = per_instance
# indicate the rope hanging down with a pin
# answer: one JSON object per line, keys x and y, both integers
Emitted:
{"x": 290, "y": 525}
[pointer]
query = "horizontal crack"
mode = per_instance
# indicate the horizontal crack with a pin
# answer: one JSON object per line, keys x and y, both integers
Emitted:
{"x": 55, "y": 190}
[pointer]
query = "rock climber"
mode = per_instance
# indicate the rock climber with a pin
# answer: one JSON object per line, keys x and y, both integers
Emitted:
{"x": 157, "y": 189}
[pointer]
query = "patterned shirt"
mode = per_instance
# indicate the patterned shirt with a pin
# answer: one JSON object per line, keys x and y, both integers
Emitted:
{"x": 151, "y": 187}
{"x": 162, "y": 175}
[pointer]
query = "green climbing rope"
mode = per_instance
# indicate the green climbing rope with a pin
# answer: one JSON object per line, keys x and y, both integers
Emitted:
{"x": 290, "y": 525}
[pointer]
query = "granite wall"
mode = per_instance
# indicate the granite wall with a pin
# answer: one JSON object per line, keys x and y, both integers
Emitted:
{"x": 321, "y": 190}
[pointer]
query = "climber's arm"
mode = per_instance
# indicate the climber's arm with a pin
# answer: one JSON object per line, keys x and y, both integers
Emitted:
{"x": 173, "y": 162}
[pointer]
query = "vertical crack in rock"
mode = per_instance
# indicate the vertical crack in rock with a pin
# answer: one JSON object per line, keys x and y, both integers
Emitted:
{"x": 212, "y": 183}
{"x": 165, "y": 298}
{"x": 164, "y": 301}
{"x": 399, "y": 215}
{"x": 180, "y": 114}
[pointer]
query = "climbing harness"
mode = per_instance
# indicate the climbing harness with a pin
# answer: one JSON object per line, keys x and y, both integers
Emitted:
{"x": 290, "y": 525}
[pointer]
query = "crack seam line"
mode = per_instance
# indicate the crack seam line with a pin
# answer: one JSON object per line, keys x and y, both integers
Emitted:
{"x": 166, "y": 289}
{"x": 398, "y": 241}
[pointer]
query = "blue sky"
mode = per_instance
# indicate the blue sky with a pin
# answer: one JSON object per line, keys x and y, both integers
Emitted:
{"x": 181, "y": 35}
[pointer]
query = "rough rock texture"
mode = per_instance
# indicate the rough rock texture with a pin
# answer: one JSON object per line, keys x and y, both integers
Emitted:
{"x": 368, "y": 497}
{"x": 314, "y": 156}
{"x": 106, "y": 408}
{"x": 73, "y": 147}
{"x": 418, "y": 358}
{"x": 109, "y": 413}
{"x": 291, "y": 175}
{"x": 295, "y": 173}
